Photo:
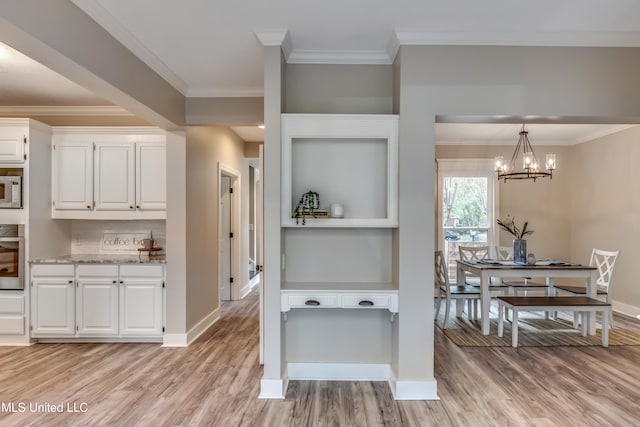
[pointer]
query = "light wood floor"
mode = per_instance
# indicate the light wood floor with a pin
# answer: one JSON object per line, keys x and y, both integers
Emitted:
{"x": 215, "y": 382}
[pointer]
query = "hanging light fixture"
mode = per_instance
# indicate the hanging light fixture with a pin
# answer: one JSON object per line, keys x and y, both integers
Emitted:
{"x": 530, "y": 165}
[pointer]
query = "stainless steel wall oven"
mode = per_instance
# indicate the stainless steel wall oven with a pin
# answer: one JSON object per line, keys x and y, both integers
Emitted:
{"x": 11, "y": 256}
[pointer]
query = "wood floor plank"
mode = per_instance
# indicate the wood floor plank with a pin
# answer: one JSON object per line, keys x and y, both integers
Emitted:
{"x": 216, "y": 381}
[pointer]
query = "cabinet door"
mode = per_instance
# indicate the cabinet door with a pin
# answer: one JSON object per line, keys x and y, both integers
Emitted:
{"x": 73, "y": 175}
{"x": 12, "y": 144}
{"x": 53, "y": 309}
{"x": 141, "y": 303}
{"x": 97, "y": 307}
{"x": 114, "y": 176}
{"x": 151, "y": 176}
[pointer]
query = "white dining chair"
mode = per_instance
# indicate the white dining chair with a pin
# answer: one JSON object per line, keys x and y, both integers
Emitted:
{"x": 452, "y": 292}
{"x": 605, "y": 262}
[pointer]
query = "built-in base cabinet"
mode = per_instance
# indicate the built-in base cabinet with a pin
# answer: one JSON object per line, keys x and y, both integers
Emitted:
{"x": 12, "y": 313}
{"x": 141, "y": 301}
{"x": 53, "y": 291}
{"x": 97, "y": 300}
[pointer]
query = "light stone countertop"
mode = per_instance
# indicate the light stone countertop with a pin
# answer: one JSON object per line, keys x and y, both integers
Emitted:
{"x": 144, "y": 258}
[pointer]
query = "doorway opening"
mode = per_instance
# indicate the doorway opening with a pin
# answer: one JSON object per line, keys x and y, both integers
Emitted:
{"x": 229, "y": 275}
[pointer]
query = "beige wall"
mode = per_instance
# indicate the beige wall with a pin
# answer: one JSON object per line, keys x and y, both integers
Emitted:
{"x": 252, "y": 149}
{"x": 544, "y": 203}
{"x": 206, "y": 147}
{"x": 606, "y": 208}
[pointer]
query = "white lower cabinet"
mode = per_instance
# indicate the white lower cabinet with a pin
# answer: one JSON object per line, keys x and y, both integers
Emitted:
{"x": 97, "y": 300}
{"x": 97, "y": 291}
{"x": 53, "y": 292}
{"x": 141, "y": 300}
{"x": 12, "y": 313}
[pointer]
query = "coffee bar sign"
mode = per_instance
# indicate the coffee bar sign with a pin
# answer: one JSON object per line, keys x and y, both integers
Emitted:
{"x": 119, "y": 242}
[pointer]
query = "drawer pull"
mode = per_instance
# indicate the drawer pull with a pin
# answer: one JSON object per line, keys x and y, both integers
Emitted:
{"x": 366, "y": 303}
{"x": 312, "y": 302}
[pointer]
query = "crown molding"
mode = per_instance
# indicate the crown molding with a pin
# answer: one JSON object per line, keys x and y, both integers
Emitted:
{"x": 225, "y": 93}
{"x": 277, "y": 37}
{"x": 107, "y": 130}
{"x": 565, "y": 39}
{"x": 53, "y": 110}
{"x": 107, "y": 21}
{"x": 339, "y": 57}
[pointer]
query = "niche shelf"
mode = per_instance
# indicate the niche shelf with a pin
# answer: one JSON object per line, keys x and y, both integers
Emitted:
{"x": 348, "y": 159}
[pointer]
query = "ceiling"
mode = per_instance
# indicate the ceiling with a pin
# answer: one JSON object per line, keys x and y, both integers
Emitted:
{"x": 210, "y": 48}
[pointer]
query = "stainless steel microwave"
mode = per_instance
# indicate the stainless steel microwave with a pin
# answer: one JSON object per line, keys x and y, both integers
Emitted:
{"x": 10, "y": 192}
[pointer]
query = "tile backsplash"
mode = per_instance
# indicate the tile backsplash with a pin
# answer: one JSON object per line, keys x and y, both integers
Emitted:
{"x": 86, "y": 235}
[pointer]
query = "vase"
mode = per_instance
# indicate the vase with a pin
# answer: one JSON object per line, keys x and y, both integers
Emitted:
{"x": 519, "y": 251}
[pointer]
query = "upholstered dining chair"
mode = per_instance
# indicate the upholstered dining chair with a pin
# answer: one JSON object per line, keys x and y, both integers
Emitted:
{"x": 505, "y": 253}
{"x": 452, "y": 292}
{"x": 605, "y": 262}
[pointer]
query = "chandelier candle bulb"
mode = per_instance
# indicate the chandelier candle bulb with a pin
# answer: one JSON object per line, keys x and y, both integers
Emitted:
{"x": 551, "y": 161}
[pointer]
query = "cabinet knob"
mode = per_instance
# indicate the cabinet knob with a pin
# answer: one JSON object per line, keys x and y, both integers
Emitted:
{"x": 137, "y": 207}
{"x": 312, "y": 302}
{"x": 114, "y": 281}
{"x": 130, "y": 207}
{"x": 70, "y": 282}
{"x": 366, "y": 303}
{"x": 121, "y": 281}
{"x": 88, "y": 206}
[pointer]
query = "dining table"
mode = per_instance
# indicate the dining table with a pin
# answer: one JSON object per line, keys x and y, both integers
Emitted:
{"x": 550, "y": 270}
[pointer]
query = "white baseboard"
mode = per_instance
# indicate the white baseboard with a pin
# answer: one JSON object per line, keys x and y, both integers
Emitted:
{"x": 247, "y": 288}
{"x": 174, "y": 340}
{"x": 273, "y": 389}
{"x": 339, "y": 371}
{"x": 414, "y": 390}
{"x": 183, "y": 340}
{"x": 627, "y": 309}
{"x": 21, "y": 341}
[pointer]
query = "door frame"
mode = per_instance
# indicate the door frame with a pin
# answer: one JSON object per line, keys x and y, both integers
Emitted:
{"x": 235, "y": 184}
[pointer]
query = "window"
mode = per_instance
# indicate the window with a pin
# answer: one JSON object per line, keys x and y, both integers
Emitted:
{"x": 466, "y": 203}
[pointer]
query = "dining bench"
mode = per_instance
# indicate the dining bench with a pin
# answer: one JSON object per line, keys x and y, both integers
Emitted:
{"x": 551, "y": 303}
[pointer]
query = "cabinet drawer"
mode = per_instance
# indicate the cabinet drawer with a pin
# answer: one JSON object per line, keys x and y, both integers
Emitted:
{"x": 310, "y": 300}
{"x": 11, "y": 325}
{"x": 141, "y": 271}
{"x": 11, "y": 304}
{"x": 93, "y": 270}
{"x": 366, "y": 301}
{"x": 52, "y": 270}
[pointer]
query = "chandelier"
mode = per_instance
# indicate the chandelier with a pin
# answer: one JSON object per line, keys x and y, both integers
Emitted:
{"x": 530, "y": 165}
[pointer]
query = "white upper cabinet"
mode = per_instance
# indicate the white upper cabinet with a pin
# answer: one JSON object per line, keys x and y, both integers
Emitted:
{"x": 151, "y": 176}
{"x": 73, "y": 175}
{"x": 109, "y": 173}
{"x": 13, "y": 140}
{"x": 114, "y": 173}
